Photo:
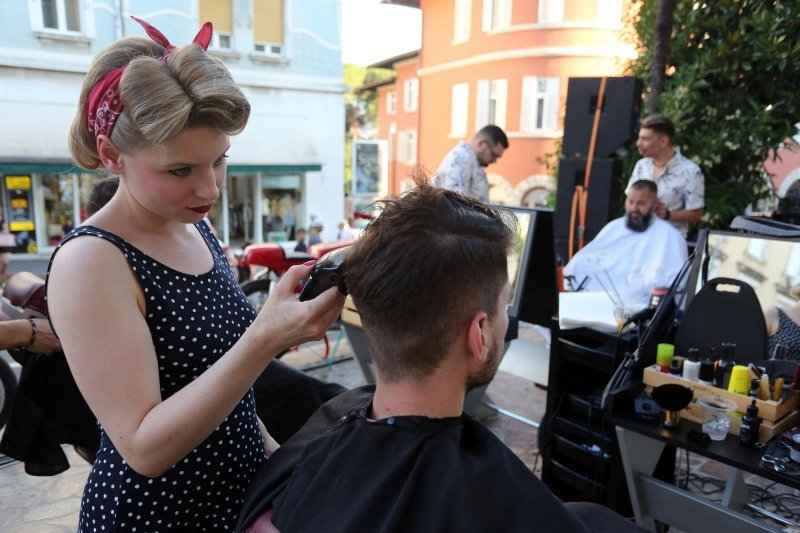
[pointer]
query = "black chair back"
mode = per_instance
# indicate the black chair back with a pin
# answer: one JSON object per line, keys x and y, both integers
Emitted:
{"x": 724, "y": 310}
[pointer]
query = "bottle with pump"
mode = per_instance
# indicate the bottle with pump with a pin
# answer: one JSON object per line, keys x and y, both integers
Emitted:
{"x": 728, "y": 349}
{"x": 706, "y": 376}
{"x": 691, "y": 367}
{"x": 724, "y": 366}
{"x": 659, "y": 286}
{"x": 751, "y": 423}
{"x": 755, "y": 383}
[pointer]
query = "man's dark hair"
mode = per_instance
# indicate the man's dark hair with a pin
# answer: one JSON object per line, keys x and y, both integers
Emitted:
{"x": 421, "y": 270}
{"x": 101, "y": 194}
{"x": 493, "y": 134}
{"x": 645, "y": 185}
{"x": 660, "y": 125}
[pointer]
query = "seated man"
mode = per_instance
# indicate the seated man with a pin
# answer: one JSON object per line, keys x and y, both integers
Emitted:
{"x": 430, "y": 281}
{"x": 638, "y": 239}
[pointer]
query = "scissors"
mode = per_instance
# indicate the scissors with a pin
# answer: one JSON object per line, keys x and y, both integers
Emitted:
{"x": 779, "y": 464}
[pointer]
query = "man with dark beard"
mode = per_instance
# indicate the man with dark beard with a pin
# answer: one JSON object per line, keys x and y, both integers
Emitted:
{"x": 637, "y": 240}
{"x": 429, "y": 278}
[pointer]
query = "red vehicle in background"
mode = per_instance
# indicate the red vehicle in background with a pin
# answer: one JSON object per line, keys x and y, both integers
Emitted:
{"x": 267, "y": 262}
{"x": 259, "y": 265}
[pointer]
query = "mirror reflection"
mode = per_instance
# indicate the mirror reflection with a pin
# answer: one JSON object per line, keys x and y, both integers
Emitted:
{"x": 516, "y": 254}
{"x": 770, "y": 266}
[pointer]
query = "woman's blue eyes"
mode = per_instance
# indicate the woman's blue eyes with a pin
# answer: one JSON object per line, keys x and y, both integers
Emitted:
{"x": 180, "y": 172}
{"x": 185, "y": 171}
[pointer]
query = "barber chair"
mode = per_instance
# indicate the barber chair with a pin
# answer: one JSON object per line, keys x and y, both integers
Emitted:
{"x": 724, "y": 310}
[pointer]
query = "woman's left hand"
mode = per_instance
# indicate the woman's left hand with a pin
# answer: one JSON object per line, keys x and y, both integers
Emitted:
{"x": 46, "y": 341}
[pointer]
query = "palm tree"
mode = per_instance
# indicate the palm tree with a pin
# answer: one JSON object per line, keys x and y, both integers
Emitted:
{"x": 662, "y": 38}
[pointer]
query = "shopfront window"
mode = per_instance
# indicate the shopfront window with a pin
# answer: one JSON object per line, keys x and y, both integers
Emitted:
{"x": 59, "y": 196}
{"x": 280, "y": 204}
{"x": 59, "y": 213}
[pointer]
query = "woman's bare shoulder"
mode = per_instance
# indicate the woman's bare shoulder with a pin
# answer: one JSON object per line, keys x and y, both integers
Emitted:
{"x": 88, "y": 261}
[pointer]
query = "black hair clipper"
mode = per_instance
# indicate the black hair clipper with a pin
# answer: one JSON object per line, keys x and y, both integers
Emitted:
{"x": 328, "y": 272}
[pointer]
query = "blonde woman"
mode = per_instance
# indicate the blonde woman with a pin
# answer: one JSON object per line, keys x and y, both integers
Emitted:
{"x": 161, "y": 341}
{"x": 783, "y": 328}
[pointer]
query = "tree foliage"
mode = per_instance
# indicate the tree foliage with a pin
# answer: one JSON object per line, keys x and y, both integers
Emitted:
{"x": 361, "y": 109}
{"x": 731, "y": 90}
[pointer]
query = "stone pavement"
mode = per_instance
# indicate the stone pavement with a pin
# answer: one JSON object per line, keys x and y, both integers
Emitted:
{"x": 50, "y": 504}
{"x": 31, "y": 504}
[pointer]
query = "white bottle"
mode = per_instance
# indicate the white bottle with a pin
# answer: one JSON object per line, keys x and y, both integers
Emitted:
{"x": 691, "y": 367}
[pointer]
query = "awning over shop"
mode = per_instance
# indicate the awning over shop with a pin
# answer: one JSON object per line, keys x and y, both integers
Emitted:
{"x": 270, "y": 145}
{"x": 272, "y": 169}
{"x": 38, "y": 167}
{"x": 64, "y": 168}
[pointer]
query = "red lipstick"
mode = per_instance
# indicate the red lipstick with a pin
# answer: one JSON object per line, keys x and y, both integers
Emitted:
{"x": 201, "y": 209}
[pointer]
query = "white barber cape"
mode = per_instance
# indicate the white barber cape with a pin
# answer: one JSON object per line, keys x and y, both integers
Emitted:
{"x": 619, "y": 249}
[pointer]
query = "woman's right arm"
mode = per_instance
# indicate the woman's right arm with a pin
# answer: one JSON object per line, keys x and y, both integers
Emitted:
{"x": 98, "y": 310}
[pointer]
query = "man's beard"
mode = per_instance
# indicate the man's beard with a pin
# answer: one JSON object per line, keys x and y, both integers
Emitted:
{"x": 487, "y": 373}
{"x": 637, "y": 223}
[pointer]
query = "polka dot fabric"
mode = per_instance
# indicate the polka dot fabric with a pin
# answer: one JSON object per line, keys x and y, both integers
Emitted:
{"x": 194, "y": 320}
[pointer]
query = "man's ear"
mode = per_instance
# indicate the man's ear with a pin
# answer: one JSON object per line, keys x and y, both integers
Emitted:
{"x": 109, "y": 154}
{"x": 477, "y": 340}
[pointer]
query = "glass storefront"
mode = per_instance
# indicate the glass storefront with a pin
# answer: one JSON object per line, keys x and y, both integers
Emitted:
{"x": 253, "y": 206}
{"x": 280, "y": 200}
{"x": 54, "y": 204}
{"x": 60, "y": 193}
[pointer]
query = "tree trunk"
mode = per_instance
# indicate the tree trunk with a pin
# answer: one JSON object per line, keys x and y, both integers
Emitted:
{"x": 663, "y": 35}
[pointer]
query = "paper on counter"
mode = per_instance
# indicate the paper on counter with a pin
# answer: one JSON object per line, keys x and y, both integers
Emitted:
{"x": 586, "y": 309}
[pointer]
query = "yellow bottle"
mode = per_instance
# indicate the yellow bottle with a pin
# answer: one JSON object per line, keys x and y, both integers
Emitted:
{"x": 740, "y": 380}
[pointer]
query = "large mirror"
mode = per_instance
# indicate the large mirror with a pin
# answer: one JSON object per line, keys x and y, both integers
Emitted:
{"x": 518, "y": 258}
{"x": 770, "y": 265}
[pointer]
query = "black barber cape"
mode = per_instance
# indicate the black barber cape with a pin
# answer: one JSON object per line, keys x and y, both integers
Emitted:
{"x": 341, "y": 472}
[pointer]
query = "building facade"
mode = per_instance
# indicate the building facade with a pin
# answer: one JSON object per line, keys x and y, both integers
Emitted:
{"x": 507, "y": 62}
{"x": 285, "y": 54}
{"x": 398, "y": 118}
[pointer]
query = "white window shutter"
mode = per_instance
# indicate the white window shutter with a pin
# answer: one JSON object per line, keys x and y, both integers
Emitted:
{"x": 793, "y": 264}
{"x": 459, "y": 109}
{"x": 501, "y": 97}
{"x": 487, "y": 14}
{"x": 507, "y": 13}
{"x": 526, "y": 122}
{"x": 482, "y": 104}
{"x": 553, "y": 90}
{"x": 462, "y": 20}
{"x": 756, "y": 248}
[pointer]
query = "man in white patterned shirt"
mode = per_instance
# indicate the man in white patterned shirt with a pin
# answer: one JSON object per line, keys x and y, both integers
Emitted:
{"x": 681, "y": 185}
{"x": 462, "y": 169}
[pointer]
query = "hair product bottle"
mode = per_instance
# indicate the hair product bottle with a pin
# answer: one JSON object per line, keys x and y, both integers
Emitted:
{"x": 751, "y": 423}
{"x": 707, "y": 370}
{"x": 726, "y": 363}
{"x": 691, "y": 367}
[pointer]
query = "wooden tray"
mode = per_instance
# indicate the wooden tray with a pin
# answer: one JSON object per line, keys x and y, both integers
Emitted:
{"x": 768, "y": 410}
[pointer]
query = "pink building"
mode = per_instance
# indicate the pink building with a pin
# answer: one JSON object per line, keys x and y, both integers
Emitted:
{"x": 500, "y": 62}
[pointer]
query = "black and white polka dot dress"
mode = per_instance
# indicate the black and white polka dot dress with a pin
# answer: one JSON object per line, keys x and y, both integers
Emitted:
{"x": 194, "y": 320}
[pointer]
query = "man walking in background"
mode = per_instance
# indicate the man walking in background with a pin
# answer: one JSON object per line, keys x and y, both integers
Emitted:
{"x": 462, "y": 169}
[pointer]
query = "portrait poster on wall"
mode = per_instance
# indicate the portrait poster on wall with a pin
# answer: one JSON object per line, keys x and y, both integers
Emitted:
{"x": 370, "y": 168}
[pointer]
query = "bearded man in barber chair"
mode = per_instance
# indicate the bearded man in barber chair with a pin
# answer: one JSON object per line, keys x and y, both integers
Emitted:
{"x": 638, "y": 239}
